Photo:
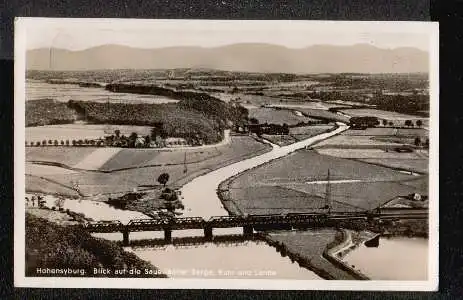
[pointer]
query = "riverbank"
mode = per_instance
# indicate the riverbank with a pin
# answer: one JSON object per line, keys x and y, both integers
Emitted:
{"x": 68, "y": 251}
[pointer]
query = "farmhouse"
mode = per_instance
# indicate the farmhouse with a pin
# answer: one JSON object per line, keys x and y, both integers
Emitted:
{"x": 140, "y": 142}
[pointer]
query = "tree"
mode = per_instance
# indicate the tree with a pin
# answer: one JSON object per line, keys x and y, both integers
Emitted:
{"x": 391, "y": 123}
{"x": 163, "y": 179}
{"x": 37, "y": 143}
{"x": 147, "y": 140}
{"x": 44, "y": 142}
{"x": 117, "y": 132}
{"x": 56, "y": 143}
{"x": 419, "y": 123}
{"x": 285, "y": 129}
{"x": 74, "y": 142}
{"x": 408, "y": 123}
{"x": 132, "y": 139}
{"x": 50, "y": 142}
{"x": 426, "y": 143}
{"x": 154, "y": 132}
{"x": 253, "y": 121}
{"x": 384, "y": 122}
{"x": 67, "y": 142}
{"x": 62, "y": 143}
{"x": 417, "y": 141}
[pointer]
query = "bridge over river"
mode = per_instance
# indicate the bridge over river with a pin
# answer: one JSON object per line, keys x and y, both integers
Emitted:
{"x": 252, "y": 222}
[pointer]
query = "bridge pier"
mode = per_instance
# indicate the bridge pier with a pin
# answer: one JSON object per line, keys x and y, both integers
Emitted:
{"x": 125, "y": 238}
{"x": 208, "y": 233}
{"x": 248, "y": 231}
{"x": 168, "y": 235}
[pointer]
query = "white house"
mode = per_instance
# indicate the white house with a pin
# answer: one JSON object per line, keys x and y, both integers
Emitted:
{"x": 140, "y": 141}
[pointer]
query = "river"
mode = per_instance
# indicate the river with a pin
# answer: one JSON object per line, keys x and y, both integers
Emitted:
{"x": 248, "y": 259}
{"x": 396, "y": 258}
{"x": 200, "y": 194}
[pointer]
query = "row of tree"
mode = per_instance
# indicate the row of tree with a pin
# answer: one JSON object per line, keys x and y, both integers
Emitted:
{"x": 407, "y": 123}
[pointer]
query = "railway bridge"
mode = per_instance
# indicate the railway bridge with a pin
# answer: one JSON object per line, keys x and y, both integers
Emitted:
{"x": 248, "y": 223}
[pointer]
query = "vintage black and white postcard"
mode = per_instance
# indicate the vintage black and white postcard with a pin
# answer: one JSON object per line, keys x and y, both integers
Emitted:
{"x": 226, "y": 154}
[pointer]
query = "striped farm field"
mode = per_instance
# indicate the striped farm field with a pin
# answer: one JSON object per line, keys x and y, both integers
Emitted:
{"x": 63, "y": 155}
{"x": 128, "y": 170}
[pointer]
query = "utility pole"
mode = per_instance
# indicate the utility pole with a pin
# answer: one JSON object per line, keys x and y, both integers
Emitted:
{"x": 185, "y": 168}
{"x": 328, "y": 193}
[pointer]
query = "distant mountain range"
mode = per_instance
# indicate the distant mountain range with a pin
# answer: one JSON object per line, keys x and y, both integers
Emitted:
{"x": 264, "y": 58}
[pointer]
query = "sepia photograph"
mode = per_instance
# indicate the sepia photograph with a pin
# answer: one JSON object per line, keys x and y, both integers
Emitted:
{"x": 226, "y": 154}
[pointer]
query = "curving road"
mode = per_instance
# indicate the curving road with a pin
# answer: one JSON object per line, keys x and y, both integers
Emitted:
{"x": 200, "y": 195}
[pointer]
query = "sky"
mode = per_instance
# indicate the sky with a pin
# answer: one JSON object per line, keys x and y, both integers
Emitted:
{"x": 78, "y": 34}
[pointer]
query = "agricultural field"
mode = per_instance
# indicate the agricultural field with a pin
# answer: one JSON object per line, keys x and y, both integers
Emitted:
{"x": 137, "y": 158}
{"x": 278, "y": 199}
{"x": 361, "y": 142}
{"x": 280, "y": 140}
{"x": 296, "y": 134}
{"x": 376, "y": 146}
{"x": 68, "y": 156}
{"x": 79, "y": 131}
{"x": 421, "y": 184}
{"x": 41, "y": 170}
{"x": 379, "y": 138}
{"x": 389, "y": 131}
{"x": 277, "y": 116}
{"x": 395, "y": 117}
{"x": 135, "y": 173}
{"x": 297, "y": 183}
{"x": 359, "y": 195}
{"x": 324, "y": 114}
{"x": 306, "y": 166}
{"x": 413, "y": 165}
{"x": 42, "y": 185}
{"x": 305, "y": 105}
{"x": 305, "y": 132}
{"x": 310, "y": 246}
{"x": 363, "y": 154}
